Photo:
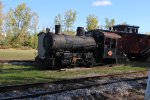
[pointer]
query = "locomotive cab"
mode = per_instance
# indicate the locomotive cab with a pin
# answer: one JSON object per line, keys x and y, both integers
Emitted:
{"x": 106, "y": 51}
{"x": 110, "y": 50}
{"x": 109, "y": 47}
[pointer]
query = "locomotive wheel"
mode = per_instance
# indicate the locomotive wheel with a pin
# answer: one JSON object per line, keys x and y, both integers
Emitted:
{"x": 90, "y": 62}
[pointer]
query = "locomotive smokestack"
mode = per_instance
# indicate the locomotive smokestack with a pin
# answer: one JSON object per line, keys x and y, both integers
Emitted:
{"x": 80, "y": 31}
{"x": 57, "y": 29}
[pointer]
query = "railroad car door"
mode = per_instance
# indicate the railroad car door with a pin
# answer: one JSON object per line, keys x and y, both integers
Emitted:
{"x": 110, "y": 49}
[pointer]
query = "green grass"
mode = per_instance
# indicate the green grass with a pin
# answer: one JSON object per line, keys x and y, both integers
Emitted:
{"x": 13, "y": 74}
{"x": 13, "y": 54}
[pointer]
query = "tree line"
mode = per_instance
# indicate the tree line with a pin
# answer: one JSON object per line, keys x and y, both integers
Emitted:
{"x": 19, "y": 27}
{"x": 69, "y": 17}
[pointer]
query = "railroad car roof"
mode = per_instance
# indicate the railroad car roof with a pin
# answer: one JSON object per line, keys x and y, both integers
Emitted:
{"x": 111, "y": 35}
{"x": 132, "y": 26}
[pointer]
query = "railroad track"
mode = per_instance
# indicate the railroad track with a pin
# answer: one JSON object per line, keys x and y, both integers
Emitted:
{"x": 19, "y": 61}
{"x": 70, "y": 84}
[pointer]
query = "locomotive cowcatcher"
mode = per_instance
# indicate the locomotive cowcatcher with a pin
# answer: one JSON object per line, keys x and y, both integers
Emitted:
{"x": 86, "y": 48}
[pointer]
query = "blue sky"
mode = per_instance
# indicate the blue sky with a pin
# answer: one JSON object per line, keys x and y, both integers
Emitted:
{"x": 134, "y": 12}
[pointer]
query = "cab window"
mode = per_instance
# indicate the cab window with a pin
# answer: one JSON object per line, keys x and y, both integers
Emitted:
{"x": 107, "y": 42}
{"x": 113, "y": 43}
{"x": 110, "y": 43}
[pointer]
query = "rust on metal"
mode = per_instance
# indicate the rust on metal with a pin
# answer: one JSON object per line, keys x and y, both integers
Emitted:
{"x": 111, "y": 35}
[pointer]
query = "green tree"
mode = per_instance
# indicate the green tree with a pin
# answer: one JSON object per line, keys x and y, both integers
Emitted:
{"x": 21, "y": 21}
{"x": 34, "y": 23}
{"x": 8, "y": 28}
{"x": 34, "y": 27}
{"x": 69, "y": 19}
{"x": 148, "y": 33}
{"x": 58, "y": 20}
{"x": 1, "y": 18}
{"x": 109, "y": 24}
{"x": 124, "y": 23}
{"x": 2, "y": 36}
{"x": 92, "y": 22}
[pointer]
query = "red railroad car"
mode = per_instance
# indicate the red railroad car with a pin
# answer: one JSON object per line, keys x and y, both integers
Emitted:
{"x": 134, "y": 45}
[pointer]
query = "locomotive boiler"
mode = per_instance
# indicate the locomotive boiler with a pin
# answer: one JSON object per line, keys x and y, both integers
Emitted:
{"x": 86, "y": 48}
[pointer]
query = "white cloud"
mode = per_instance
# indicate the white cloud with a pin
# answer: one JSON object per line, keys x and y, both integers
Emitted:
{"x": 102, "y": 3}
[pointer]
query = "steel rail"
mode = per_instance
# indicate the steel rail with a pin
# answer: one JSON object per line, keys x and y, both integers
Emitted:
{"x": 71, "y": 89}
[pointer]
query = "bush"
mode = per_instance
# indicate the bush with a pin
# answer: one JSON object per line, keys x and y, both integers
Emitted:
{"x": 14, "y": 41}
{"x": 1, "y": 67}
{"x": 4, "y": 44}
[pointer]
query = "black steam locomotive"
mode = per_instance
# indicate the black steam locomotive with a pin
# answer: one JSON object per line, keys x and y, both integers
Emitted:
{"x": 86, "y": 48}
